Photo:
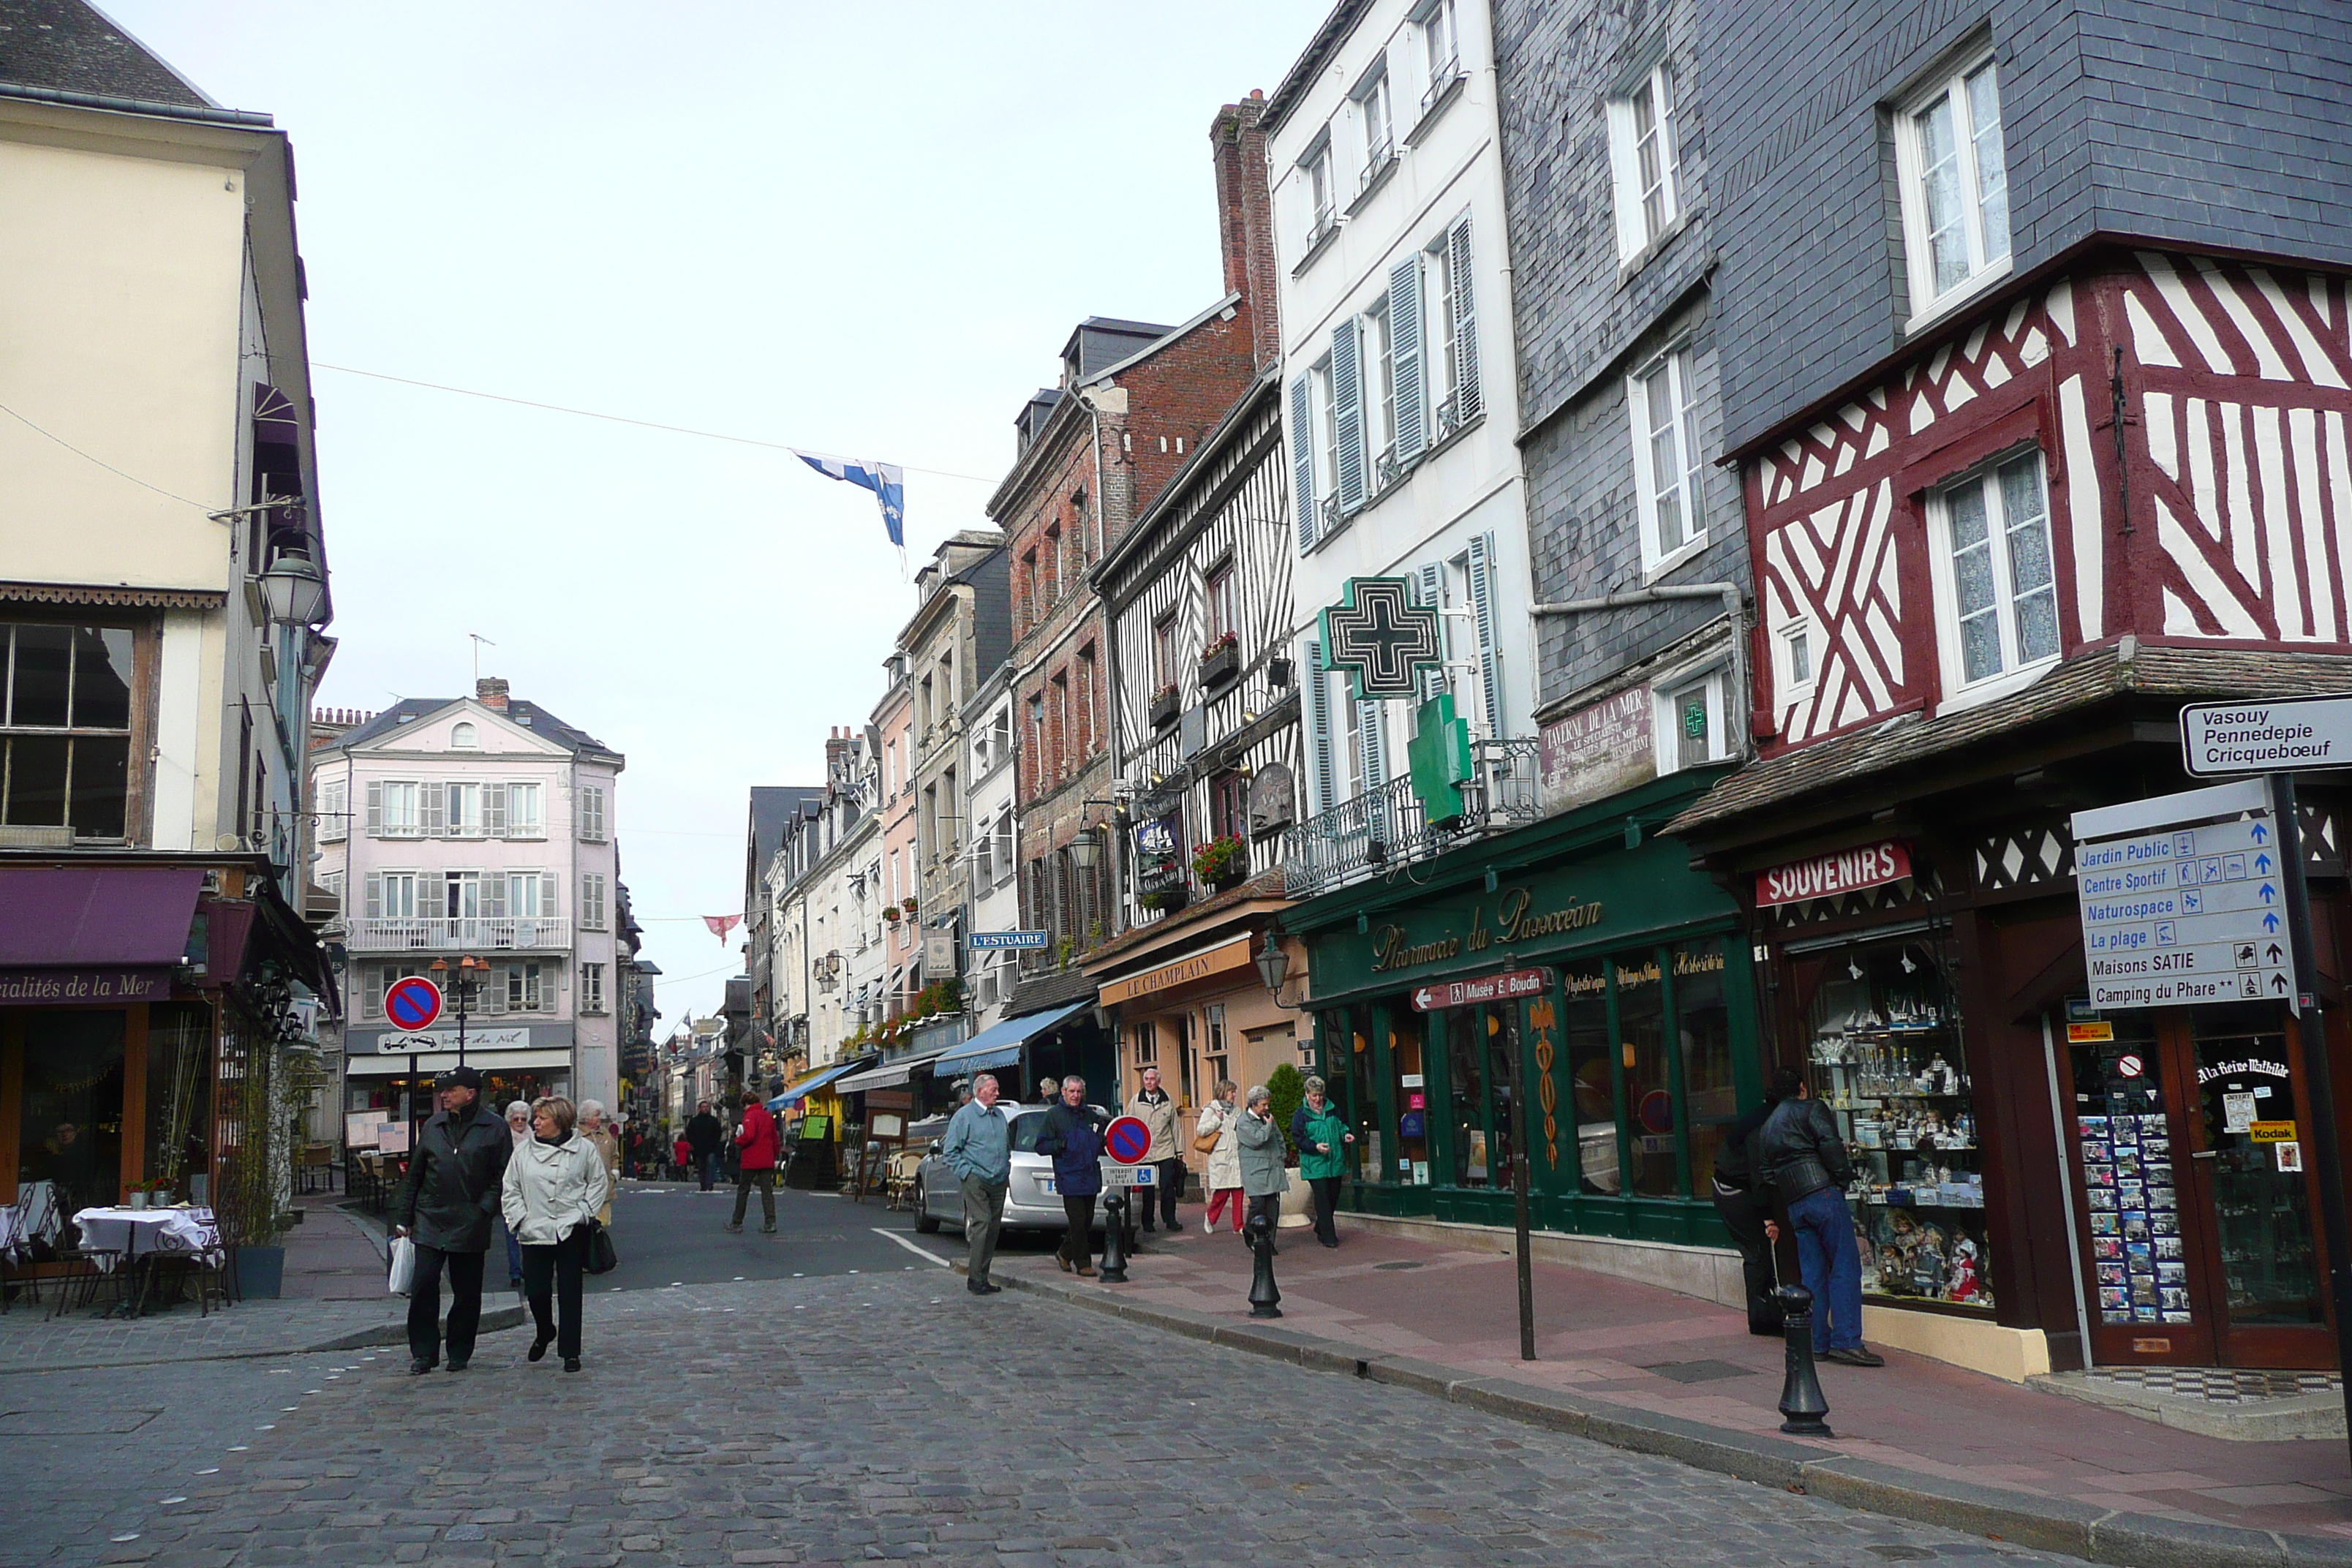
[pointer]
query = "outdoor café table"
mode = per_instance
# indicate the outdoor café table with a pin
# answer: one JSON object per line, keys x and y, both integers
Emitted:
{"x": 141, "y": 1236}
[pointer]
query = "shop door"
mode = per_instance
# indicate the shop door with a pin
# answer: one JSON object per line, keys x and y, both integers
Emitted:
{"x": 2246, "y": 1177}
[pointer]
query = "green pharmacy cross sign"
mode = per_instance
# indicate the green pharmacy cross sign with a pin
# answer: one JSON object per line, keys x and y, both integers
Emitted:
{"x": 1382, "y": 639}
{"x": 1439, "y": 754}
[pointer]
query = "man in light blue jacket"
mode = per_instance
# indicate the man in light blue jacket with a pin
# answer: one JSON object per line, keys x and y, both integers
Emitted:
{"x": 979, "y": 1150}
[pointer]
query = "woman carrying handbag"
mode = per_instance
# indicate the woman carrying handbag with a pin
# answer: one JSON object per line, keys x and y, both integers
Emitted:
{"x": 554, "y": 1185}
{"x": 1217, "y": 1136}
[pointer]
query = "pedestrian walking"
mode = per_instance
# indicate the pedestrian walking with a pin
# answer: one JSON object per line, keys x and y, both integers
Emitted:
{"x": 446, "y": 1205}
{"x": 1264, "y": 1177}
{"x": 1218, "y": 1135}
{"x": 1321, "y": 1136}
{"x": 608, "y": 1143}
{"x": 979, "y": 1149}
{"x": 755, "y": 1165}
{"x": 681, "y": 1157}
{"x": 1073, "y": 1137}
{"x": 553, "y": 1187}
{"x": 1798, "y": 1149}
{"x": 1744, "y": 1198}
{"x": 703, "y": 1136}
{"x": 519, "y": 1130}
{"x": 1157, "y": 1110}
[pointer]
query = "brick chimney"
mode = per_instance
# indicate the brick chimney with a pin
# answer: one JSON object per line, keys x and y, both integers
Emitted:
{"x": 1245, "y": 219}
{"x": 491, "y": 692}
{"x": 838, "y": 744}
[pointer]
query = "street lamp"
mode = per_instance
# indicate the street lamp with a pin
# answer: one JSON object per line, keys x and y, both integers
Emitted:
{"x": 1273, "y": 968}
{"x": 294, "y": 588}
{"x": 462, "y": 987}
{"x": 1085, "y": 850}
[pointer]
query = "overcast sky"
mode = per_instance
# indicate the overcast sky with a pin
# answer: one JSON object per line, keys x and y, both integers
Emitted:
{"x": 862, "y": 229}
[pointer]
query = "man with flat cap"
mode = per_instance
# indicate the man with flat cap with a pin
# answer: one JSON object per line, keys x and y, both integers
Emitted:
{"x": 447, "y": 1203}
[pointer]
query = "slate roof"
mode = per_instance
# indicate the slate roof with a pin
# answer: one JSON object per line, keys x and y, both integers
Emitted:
{"x": 1058, "y": 989}
{"x": 772, "y": 806}
{"x": 2184, "y": 674}
{"x": 532, "y": 717}
{"x": 69, "y": 46}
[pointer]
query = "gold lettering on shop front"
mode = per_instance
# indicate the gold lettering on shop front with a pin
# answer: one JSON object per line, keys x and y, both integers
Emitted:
{"x": 1513, "y": 924}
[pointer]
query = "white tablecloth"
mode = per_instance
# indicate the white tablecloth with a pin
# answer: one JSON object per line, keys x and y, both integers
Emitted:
{"x": 137, "y": 1232}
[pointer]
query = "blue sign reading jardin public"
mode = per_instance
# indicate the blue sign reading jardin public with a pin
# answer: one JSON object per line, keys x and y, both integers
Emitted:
{"x": 995, "y": 939}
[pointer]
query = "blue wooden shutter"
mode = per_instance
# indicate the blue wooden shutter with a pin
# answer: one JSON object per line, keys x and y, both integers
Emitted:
{"x": 1302, "y": 463}
{"x": 1466, "y": 324}
{"x": 1318, "y": 729}
{"x": 1347, "y": 412}
{"x": 1370, "y": 730}
{"x": 1482, "y": 603}
{"x": 1430, "y": 581}
{"x": 1404, "y": 360}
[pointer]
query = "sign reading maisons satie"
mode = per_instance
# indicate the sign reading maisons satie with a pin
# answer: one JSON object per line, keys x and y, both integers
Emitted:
{"x": 1599, "y": 750}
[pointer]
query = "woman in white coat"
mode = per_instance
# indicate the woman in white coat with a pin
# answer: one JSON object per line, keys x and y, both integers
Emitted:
{"x": 1222, "y": 1180}
{"x": 554, "y": 1185}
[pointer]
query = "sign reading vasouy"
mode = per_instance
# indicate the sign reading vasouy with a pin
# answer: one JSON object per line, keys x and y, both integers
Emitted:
{"x": 2217, "y": 738}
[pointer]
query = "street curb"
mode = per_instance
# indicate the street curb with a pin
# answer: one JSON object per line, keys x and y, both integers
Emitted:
{"x": 396, "y": 1333}
{"x": 2027, "y": 1518}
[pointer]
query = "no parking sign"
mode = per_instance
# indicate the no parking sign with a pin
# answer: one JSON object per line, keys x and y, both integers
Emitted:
{"x": 1127, "y": 1140}
{"x": 411, "y": 1003}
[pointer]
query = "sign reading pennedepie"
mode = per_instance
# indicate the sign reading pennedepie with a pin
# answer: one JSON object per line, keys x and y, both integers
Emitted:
{"x": 411, "y": 1003}
{"x": 2183, "y": 901}
{"x": 2217, "y": 738}
{"x": 1841, "y": 871}
{"x": 1505, "y": 987}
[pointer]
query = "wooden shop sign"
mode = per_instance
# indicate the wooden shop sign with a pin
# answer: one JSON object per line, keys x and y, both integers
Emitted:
{"x": 1827, "y": 876}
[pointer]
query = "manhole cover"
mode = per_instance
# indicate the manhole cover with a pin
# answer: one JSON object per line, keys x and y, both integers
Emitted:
{"x": 1698, "y": 1371}
{"x": 1396, "y": 1264}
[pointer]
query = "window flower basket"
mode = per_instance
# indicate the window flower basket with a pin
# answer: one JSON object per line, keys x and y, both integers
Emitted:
{"x": 891, "y": 913}
{"x": 1220, "y": 660}
{"x": 1167, "y": 899}
{"x": 1164, "y": 704}
{"x": 1222, "y": 862}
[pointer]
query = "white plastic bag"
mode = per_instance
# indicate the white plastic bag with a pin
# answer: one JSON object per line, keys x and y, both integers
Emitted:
{"x": 403, "y": 1264}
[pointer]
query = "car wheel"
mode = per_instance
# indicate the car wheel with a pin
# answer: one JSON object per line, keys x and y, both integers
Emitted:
{"x": 925, "y": 1221}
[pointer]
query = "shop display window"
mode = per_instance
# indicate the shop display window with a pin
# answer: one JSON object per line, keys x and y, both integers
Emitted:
{"x": 1465, "y": 1058}
{"x": 2262, "y": 1202}
{"x": 1703, "y": 1029}
{"x": 2132, "y": 1208}
{"x": 1408, "y": 1076}
{"x": 69, "y": 1113}
{"x": 1889, "y": 1062}
{"x": 1649, "y": 1093}
{"x": 180, "y": 1097}
{"x": 1591, "y": 1086}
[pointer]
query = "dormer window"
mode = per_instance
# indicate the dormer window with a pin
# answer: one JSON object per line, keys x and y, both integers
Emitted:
{"x": 464, "y": 737}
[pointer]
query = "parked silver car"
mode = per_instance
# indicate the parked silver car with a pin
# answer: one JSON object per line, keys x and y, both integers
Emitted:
{"x": 1030, "y": 1201}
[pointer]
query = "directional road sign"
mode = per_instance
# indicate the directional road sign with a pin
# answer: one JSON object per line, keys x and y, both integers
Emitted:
{"x": 988, "y": 940}
{"x": 1127, "y": 1139}
{"x": 411, "y": 1003}
{"x": 1504, "y": 987}
{"x": 2183, "y": 901}
{"x": 2224, "y": 738}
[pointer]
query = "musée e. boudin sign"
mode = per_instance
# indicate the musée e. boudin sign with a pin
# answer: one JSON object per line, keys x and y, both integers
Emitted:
{"x": 1516, "y": 919}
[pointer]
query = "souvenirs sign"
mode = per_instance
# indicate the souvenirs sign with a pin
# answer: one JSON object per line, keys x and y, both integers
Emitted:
{"x": 1382, "y": 639}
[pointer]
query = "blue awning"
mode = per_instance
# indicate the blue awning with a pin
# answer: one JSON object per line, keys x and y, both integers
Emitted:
{"x": 1001, "y": 1043}
{"x": 816, "y": 1081}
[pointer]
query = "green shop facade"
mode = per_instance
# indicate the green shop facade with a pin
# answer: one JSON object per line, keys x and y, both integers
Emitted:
{"x": 1639, "y": 1045}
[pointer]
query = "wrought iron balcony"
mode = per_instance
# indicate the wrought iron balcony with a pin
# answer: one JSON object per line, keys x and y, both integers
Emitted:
{"x": 1383, "y": 830}
{"x": 463, "y": 934}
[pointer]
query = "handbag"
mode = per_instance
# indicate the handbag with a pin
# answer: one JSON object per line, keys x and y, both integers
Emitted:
{"x": 403, "y": 1265}
{"x": 1206, "y": 1142}
{"x": 601, "y": 1259}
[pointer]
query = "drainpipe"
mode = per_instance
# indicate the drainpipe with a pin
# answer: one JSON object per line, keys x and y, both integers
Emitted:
{"x": 1735, "y": 607}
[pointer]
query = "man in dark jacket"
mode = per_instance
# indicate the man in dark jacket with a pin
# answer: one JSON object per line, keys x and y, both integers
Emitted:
{"x": 1798, "y": 1150}
{"x": 1073, "y": 1137}
{"x": 703, "y": 1136}
{"x": 755, "y": 1152}
{"x": 1744, "y": 1198}
{"x": 447, "y": 1205}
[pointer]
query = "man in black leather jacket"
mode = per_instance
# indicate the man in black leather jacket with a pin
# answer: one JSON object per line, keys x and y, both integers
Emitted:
{"x": 1799, "y": 1152}
{"x": 447, "y": 1202}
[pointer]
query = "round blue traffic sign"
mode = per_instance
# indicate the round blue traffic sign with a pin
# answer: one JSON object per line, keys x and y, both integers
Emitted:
{"x": 411, "y": 1003}
{"x": 1127, "y": 1140}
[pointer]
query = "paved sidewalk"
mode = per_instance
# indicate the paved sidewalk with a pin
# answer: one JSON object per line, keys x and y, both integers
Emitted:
{"x": 1609, "y": 1347}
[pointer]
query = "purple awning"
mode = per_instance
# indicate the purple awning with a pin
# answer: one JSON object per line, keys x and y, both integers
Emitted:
{"x": 78, "y": 916}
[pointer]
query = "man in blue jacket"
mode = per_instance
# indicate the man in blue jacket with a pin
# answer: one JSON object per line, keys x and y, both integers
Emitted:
{"x": 1073, "y": 1136}
{"x": 979, "y": 1150}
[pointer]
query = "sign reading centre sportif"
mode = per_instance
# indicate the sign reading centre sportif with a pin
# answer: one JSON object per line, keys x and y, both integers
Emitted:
{"x": 2183, "y": 899}
{"x": 2223, "y": 738}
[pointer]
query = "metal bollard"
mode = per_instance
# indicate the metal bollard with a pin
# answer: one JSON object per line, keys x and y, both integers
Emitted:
{"x": 1803, "y": 1405}
{"x": 1264, "y": 1296}
{"x": 1113, "y": 1253}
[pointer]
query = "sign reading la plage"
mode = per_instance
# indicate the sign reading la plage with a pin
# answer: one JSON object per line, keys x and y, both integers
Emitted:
{"x": 1875, "y": 864}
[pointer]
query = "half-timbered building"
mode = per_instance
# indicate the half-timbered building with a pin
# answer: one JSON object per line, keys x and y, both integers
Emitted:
{"x": 2036, "y": 384}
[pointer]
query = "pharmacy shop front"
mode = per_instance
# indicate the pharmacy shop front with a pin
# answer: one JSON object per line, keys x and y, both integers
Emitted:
{"x": 1635, "y": 1050}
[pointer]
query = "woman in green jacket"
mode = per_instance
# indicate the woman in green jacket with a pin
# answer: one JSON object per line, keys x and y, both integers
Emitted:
{"x": 1321, "y": 1136}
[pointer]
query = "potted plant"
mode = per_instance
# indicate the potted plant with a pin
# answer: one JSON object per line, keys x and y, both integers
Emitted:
{"x": 891, "y": 913}
{"x": 1221, "y": 660}
{"x": 1165, "y": 703}
{"x": 1172, "y": 896}
{"x": 1287, "y": 1086}
{"x": 1222, "y": 862}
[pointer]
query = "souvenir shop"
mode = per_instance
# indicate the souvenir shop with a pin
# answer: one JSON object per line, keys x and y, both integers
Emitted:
{"x": 1630, "y": 1010}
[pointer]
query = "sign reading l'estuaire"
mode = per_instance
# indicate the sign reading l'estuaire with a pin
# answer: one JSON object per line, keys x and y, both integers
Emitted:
{"x": 1508, "y": 986}
{"x": 2217, "y": 738}
{"x": 990, "y": 941}
{"x": 2183, "y": 901}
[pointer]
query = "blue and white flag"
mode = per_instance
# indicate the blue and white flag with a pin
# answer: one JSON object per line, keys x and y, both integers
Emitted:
{"x": 887, "y": 480}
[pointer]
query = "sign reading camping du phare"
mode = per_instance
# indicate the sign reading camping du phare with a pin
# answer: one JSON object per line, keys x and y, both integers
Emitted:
{"x": 1380, "y": 638}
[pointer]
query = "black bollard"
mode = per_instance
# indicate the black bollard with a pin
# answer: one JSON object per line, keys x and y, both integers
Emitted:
{"x": 1803, "y": 1405}
{"x": 1264, "y": 1296}
{"x": 1114, "y": 1252}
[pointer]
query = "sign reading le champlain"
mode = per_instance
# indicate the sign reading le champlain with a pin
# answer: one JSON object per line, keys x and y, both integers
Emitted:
{"x": 2224, "y": 738}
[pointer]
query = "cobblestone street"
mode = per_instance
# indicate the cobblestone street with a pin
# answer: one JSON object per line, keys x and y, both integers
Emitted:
{"x": 779, "y": 1423}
